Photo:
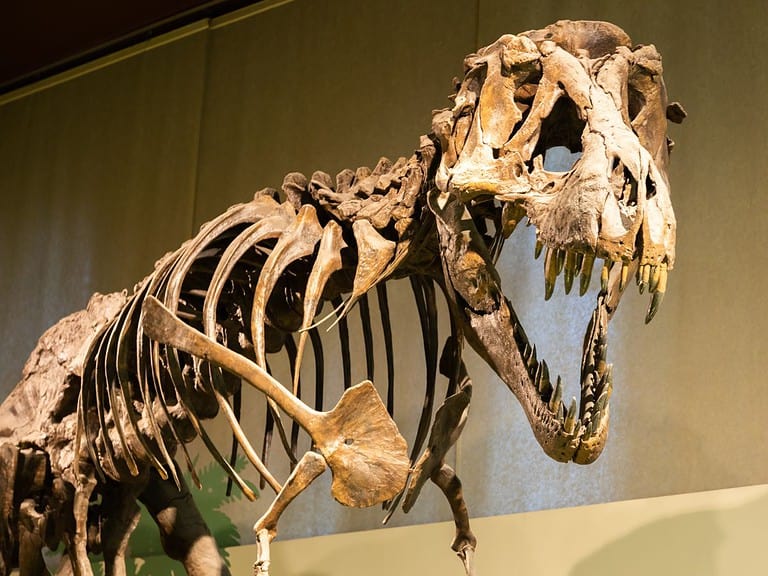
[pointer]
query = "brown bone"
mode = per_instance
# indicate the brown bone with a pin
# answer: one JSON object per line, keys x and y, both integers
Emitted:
{"x": 361, "y": 443}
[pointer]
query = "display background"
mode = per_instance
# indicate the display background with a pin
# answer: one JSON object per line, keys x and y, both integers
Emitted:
{"x": 104, "y": 170}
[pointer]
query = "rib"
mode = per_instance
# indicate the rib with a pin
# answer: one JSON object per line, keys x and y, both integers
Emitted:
{"x": 365, "y": 319}
{"x": 180, "y": 384}
{"x": 386, "y": 327}
{"x": 291, "y": 350}
{"x": 298, "y": 241}
{"x": 424, "y": 292}
{"x": 101, "y": 408}
{"x": 123, "y": 374}
{"x": 317, "y": 350}
{"x": 346, "y": 357}
{"x": 328, "y": 261}
{"x": 113, "y": 379}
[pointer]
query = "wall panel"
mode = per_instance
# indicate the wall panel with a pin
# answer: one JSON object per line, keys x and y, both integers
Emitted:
{"x": 102, "y": 174}
{"x": 97, "y": 178}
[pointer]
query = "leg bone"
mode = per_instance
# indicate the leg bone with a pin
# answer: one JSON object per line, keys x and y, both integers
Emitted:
{"x": 308, "y": 468}
{"x": 464, "y": 543}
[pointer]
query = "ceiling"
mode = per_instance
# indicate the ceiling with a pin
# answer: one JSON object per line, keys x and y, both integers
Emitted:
{"x": 41, "y": 38}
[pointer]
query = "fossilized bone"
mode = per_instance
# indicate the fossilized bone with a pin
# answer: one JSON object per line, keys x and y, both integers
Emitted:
{"x": 112, "y": 392}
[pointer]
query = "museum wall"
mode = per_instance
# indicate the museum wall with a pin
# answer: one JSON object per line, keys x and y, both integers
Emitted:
{"x": 106, "y": 169}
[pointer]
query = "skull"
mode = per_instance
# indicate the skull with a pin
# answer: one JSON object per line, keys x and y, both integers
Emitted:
{"x": 580, "y": 87}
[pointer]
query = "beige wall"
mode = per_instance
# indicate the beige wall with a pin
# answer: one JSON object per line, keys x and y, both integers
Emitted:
{"x": 719, "y": 533}
{"x": 103, "y": 173}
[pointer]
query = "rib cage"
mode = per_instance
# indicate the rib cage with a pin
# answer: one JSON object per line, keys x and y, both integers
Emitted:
{"x": 235, "y": 283}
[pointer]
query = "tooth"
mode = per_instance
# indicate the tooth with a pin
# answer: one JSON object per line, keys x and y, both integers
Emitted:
{"x": 556, "y": 395}
{"x": 560, "y": 261}
{"x": 602, "y": 401}
{"x": 602, "y": 354}
{"x": 654, "y": 277}
{"x": 663, "y": 274}
{"x": 656, "y": 300}
{"x": 590, "y": 384}
{"x": 570, "y": 270}
{"x": 531, "y": 360}
{"x": 538, "y": 249}
{"x": 624, "y": 274}
{"x": 550, "y": 272}
{"x": 586, "y": 273}
{"x": 561, "y": 412}
{"x": 544, "y": 384}
{"x": 570, "y": 419}
{"x": 646, "y": 274}
{"x": 537, "y": 376}
{"x": 607, "y": 265}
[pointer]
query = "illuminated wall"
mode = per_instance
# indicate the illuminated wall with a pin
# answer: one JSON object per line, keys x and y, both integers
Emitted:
{"x": 103, "y": 172}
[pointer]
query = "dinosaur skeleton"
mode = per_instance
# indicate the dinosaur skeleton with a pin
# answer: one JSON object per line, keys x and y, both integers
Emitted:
{"x": 112, "y": 392}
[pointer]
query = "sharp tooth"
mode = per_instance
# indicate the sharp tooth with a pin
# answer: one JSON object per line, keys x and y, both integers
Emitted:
{"x": 656, "y": 300}
{"x": 646, "y": 274}
{"x": 602, "y": 401}
{"x": 560, "y": 261}
{"x": 663, "y": 274}
{"x": 538, "y": 249}
{"x": 556, "y": 395}
{"x": 531, "y": 360}
{"x": 607, "y": 265}
{"x": 586, "y": 273}
{"x": 589, "y": 384}
{"x": 570, "y": 270}
{"x": 544, "y": 384}
{"x": 570, "y": 419}
{"x": 654, "y": 278}
{"x": 624, "y": 274}
{"x": 561, "y": 412}
{"x": 550, "y": 272}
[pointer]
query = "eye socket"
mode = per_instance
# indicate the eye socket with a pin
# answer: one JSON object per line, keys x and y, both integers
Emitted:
{"x": 560, "y": 138}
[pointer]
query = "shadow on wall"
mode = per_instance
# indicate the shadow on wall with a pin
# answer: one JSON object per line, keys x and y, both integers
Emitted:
{"x": 712, "y": 542}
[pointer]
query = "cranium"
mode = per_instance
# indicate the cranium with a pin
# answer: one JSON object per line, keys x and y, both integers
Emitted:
{"x": 583, "y": 87}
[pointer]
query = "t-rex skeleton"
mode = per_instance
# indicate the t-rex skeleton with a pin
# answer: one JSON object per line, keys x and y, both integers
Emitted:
{"x": 112, "y": 392}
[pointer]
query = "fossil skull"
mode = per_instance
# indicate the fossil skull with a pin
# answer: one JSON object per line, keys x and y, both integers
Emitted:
{"x": 579, "y": 87}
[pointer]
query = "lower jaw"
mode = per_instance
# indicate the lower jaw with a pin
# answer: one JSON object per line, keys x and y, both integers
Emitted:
{"x": 567, "y": 433}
